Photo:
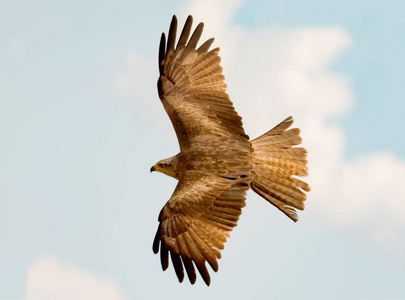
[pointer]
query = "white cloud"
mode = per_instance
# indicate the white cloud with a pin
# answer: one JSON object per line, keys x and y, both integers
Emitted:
{"x": 273, "y": 73}
{"x": 51, "y": 278}
{"x": 16, "y": 48}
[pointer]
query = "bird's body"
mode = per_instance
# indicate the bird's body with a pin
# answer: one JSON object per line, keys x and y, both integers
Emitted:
{"x": 217, "y": 162}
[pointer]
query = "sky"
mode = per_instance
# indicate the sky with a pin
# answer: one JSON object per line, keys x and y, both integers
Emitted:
{"x": 81, "y": 124}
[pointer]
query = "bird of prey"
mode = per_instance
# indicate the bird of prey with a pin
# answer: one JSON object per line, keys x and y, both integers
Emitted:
{"x": 217, "y": 162}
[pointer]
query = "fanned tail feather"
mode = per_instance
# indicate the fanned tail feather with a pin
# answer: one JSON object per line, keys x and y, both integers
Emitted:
{"x": 276, "y": 161}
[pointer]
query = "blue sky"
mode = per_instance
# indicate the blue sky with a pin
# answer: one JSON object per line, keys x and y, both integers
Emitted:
{"x": 374, "y": 63}
{"x": 81, "y": 124}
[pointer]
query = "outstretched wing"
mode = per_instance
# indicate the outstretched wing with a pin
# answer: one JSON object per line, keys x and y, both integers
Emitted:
{"x": 196, "y": 221}
{"x": 192, "y": 89}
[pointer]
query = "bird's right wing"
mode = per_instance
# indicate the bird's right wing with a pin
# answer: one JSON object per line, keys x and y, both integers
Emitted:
{"x": 196, "y": 221}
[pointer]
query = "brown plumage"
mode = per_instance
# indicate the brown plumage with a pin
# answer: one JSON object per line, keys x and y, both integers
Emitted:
{"x": 217, "y": 163}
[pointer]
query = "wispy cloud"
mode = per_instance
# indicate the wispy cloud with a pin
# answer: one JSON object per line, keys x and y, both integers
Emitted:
{"x": 49, "y": 277}
{"x": 16, "y": 48}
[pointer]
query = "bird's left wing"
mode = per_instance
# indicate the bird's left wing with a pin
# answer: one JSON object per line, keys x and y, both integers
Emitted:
{"x": 192, "y": 87}
{"x": 196, "y": 221}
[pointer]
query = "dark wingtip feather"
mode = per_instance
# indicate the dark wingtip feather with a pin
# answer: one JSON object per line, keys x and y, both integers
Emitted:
{"x": 204, "y": 272}
{"x": 206, "y": 46}
{"x": 178, "y": 265}
{"x": 162, "y": 52}
{"x": 196, "y": 36}
{"x": 155, "y": 246}
{"x": 214, "y": 264}
{"x": 191, "y": 45}
{"x": 164, "y": 257}
{"x": 188, "y": 264}
{"x": 174, "y": 19}
{"x": 171, "y": 39}
{"x": 156, "y": 241}
{"x": 185, "y": 33}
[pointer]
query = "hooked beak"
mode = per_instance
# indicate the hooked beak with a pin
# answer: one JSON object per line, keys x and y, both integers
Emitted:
{"x": 152, "y": 169}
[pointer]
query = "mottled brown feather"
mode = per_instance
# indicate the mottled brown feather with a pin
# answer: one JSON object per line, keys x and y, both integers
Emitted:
{"x": 188, "y": 80}
{"x": 276, "y": 161}
{"x": 195, "y": 198}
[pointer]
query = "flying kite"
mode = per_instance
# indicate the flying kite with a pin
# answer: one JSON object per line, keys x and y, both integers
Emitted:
{"x": 217, "y": 163}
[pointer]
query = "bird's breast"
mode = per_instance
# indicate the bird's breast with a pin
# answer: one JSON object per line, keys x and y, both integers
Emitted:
{"x": 217, "y": 156}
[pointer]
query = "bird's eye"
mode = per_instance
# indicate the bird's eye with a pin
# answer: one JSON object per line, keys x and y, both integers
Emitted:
{"x": 163, "y": 165}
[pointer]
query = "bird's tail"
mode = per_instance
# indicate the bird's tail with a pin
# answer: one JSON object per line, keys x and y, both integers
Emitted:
{"x": 276, "y": 161}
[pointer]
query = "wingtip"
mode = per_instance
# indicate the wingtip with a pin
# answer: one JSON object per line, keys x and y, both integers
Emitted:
{"x": 163, "y": 40}
{"x": 207, "y": 280}
{"x": 156, "y": 241}
{"x": 164, "y": 258}
{"x": 155, "y": 247}
{"x": 174, "y": 20}
{"x": 206, "y": 46}
{"x": 162, "y": 51}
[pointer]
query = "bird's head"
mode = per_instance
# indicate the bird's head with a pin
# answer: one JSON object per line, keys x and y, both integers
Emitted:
{"x": 167, "y": 166}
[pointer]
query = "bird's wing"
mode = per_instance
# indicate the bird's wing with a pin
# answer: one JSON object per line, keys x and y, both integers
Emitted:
{"x": 192, "y": 89}
{"x": 196, "y": 221}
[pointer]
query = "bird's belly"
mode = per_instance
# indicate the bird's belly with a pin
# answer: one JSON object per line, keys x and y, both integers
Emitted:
{"x": 220, "y": 156}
